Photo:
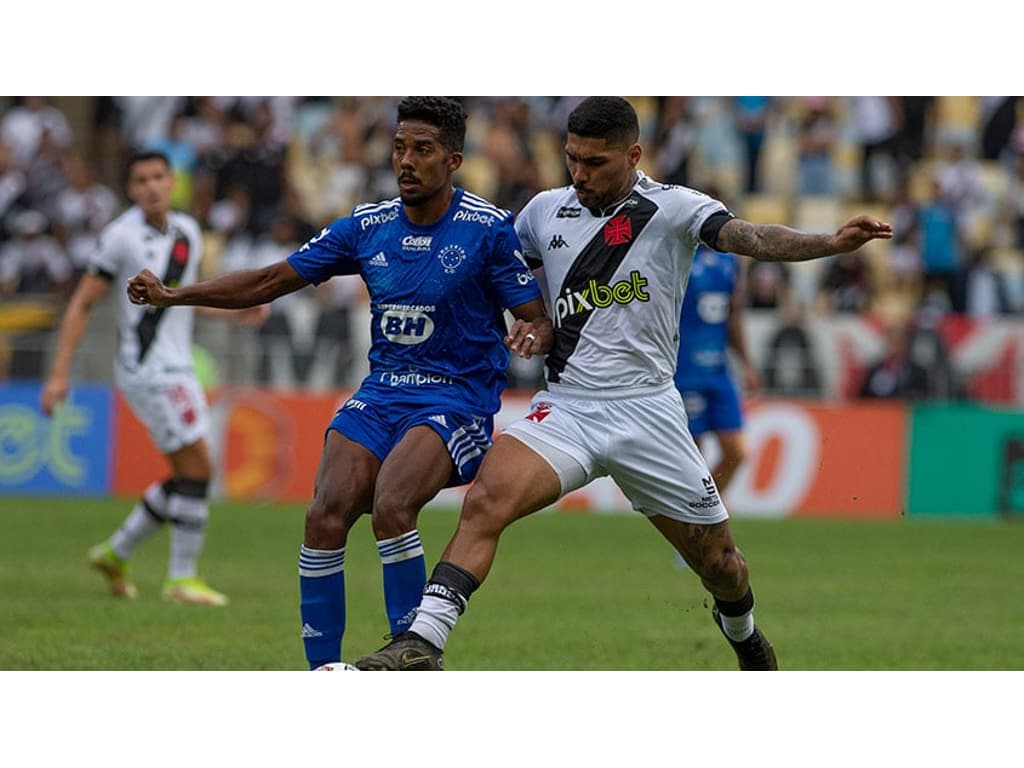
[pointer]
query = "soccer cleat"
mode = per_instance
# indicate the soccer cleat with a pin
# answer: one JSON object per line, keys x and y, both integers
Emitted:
{"x": 407, "y": 652}
{"x": 104, "y": 559}
{"x": 755, "y": 653}
{"x": 192, "y": 590}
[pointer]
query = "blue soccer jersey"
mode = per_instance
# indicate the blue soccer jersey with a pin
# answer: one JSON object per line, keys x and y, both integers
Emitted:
{"x": 704, "y": 320}
{"x": 702, "y": 371}
{"x": 436, "y": 293}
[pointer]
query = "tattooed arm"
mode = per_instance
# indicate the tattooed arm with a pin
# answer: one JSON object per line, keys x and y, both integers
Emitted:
{"x": 774, "y": 242}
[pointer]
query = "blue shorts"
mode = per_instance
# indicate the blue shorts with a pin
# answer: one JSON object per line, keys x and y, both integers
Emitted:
{"x": 712, "y": 405}
{"x": 378, "y": 416}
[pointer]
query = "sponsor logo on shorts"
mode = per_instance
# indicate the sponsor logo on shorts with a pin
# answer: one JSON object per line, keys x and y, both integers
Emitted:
{"x": 710, "y": 500}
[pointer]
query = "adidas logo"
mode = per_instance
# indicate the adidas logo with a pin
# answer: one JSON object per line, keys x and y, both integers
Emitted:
{"x": 308, "y": 631}
{"x": 439, "y": 419}
{"x": 379, "y": 260}
{"x": 407, "y": 620}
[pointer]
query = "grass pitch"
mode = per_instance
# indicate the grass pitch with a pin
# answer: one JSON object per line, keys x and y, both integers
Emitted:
{"x": 568, "y": 592}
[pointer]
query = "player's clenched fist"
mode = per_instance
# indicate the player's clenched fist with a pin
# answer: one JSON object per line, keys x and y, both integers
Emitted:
{"x": 146, "y": 288}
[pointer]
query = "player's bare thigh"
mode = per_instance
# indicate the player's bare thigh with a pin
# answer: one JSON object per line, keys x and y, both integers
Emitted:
{"x": 192, "y": 461}
{"x": 514, "y": 481}
{"x": 417, "y": 468}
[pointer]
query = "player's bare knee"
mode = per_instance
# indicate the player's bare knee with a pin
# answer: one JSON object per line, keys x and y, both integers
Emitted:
{"x": 327, "y": 525}
{"x": 723, "y": 568}
{"x": 483, "y": 512}
{"x": 393, "y": 517}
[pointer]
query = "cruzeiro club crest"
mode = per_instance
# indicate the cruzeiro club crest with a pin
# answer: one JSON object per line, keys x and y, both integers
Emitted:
{"x": 451, "y": 256}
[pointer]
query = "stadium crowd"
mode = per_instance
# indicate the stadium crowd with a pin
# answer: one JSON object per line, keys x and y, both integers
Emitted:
{"x": 263, "y": 174}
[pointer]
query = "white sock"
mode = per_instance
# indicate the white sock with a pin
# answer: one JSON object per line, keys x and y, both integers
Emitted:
{"x": 738, "y": 628}
{"x": 435, "y": 620}
{"x": 141, "y": 522}
{"x": 188, "y": 532}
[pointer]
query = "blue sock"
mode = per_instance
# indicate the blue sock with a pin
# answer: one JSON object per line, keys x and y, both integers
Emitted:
{"x": 322, "y": 591}
{"x": 405, "y": 575}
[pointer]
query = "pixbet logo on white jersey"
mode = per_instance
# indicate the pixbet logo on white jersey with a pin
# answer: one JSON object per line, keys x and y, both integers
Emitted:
{"x": 594, "y": 295}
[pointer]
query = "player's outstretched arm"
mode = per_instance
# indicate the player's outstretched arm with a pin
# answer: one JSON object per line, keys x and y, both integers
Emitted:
{"x": 774, "y": 242}
{"x": 531, "y": 333}
{"x": 235, "y": 290}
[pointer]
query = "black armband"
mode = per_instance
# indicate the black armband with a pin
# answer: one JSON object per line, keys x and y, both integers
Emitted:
{"x": 712, "y": 224}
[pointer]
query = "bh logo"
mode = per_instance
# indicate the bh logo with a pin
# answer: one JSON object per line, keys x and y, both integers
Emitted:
{"x": 406, "y": 326}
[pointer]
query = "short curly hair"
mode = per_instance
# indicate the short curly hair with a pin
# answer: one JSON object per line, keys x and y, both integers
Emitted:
{"x": 442, "y": 112}
{"x": 605, "y": 117}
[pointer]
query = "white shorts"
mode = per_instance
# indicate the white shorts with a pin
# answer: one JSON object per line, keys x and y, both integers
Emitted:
{"x": 174, "y": 411}
{"x": 640, "y": 440}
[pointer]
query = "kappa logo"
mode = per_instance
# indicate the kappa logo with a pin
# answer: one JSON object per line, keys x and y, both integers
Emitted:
{"x": 379, "y": 260}
{"x": 557, "y": 242}
{"x": 618, "y": 231}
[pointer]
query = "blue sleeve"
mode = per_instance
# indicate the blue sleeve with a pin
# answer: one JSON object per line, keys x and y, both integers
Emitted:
{"x": 512, "y": 277}
{"x": 330, "y": 253}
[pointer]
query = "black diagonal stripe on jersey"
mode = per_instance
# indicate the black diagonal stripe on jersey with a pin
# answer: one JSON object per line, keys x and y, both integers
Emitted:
{"x": 146, "y": 328}
{"x": 597, "y": 261}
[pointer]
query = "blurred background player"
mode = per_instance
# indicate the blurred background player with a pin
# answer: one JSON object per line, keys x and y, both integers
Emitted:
{"x": 440, "y": 264}
{"x": 153, "y": 371}
{"x": 710, "y": 324}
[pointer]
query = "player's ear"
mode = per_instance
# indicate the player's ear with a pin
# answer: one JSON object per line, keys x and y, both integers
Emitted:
{"x": 633, "y": 153}
{"x": 455, "y": 161}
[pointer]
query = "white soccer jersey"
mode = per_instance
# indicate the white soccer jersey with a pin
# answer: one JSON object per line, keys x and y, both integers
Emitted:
{"x": 615, "y": 282}
{"x": 154, "y": 345}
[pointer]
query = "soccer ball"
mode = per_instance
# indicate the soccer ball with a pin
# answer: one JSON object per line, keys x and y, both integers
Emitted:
{"x": 337, "y": 666}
